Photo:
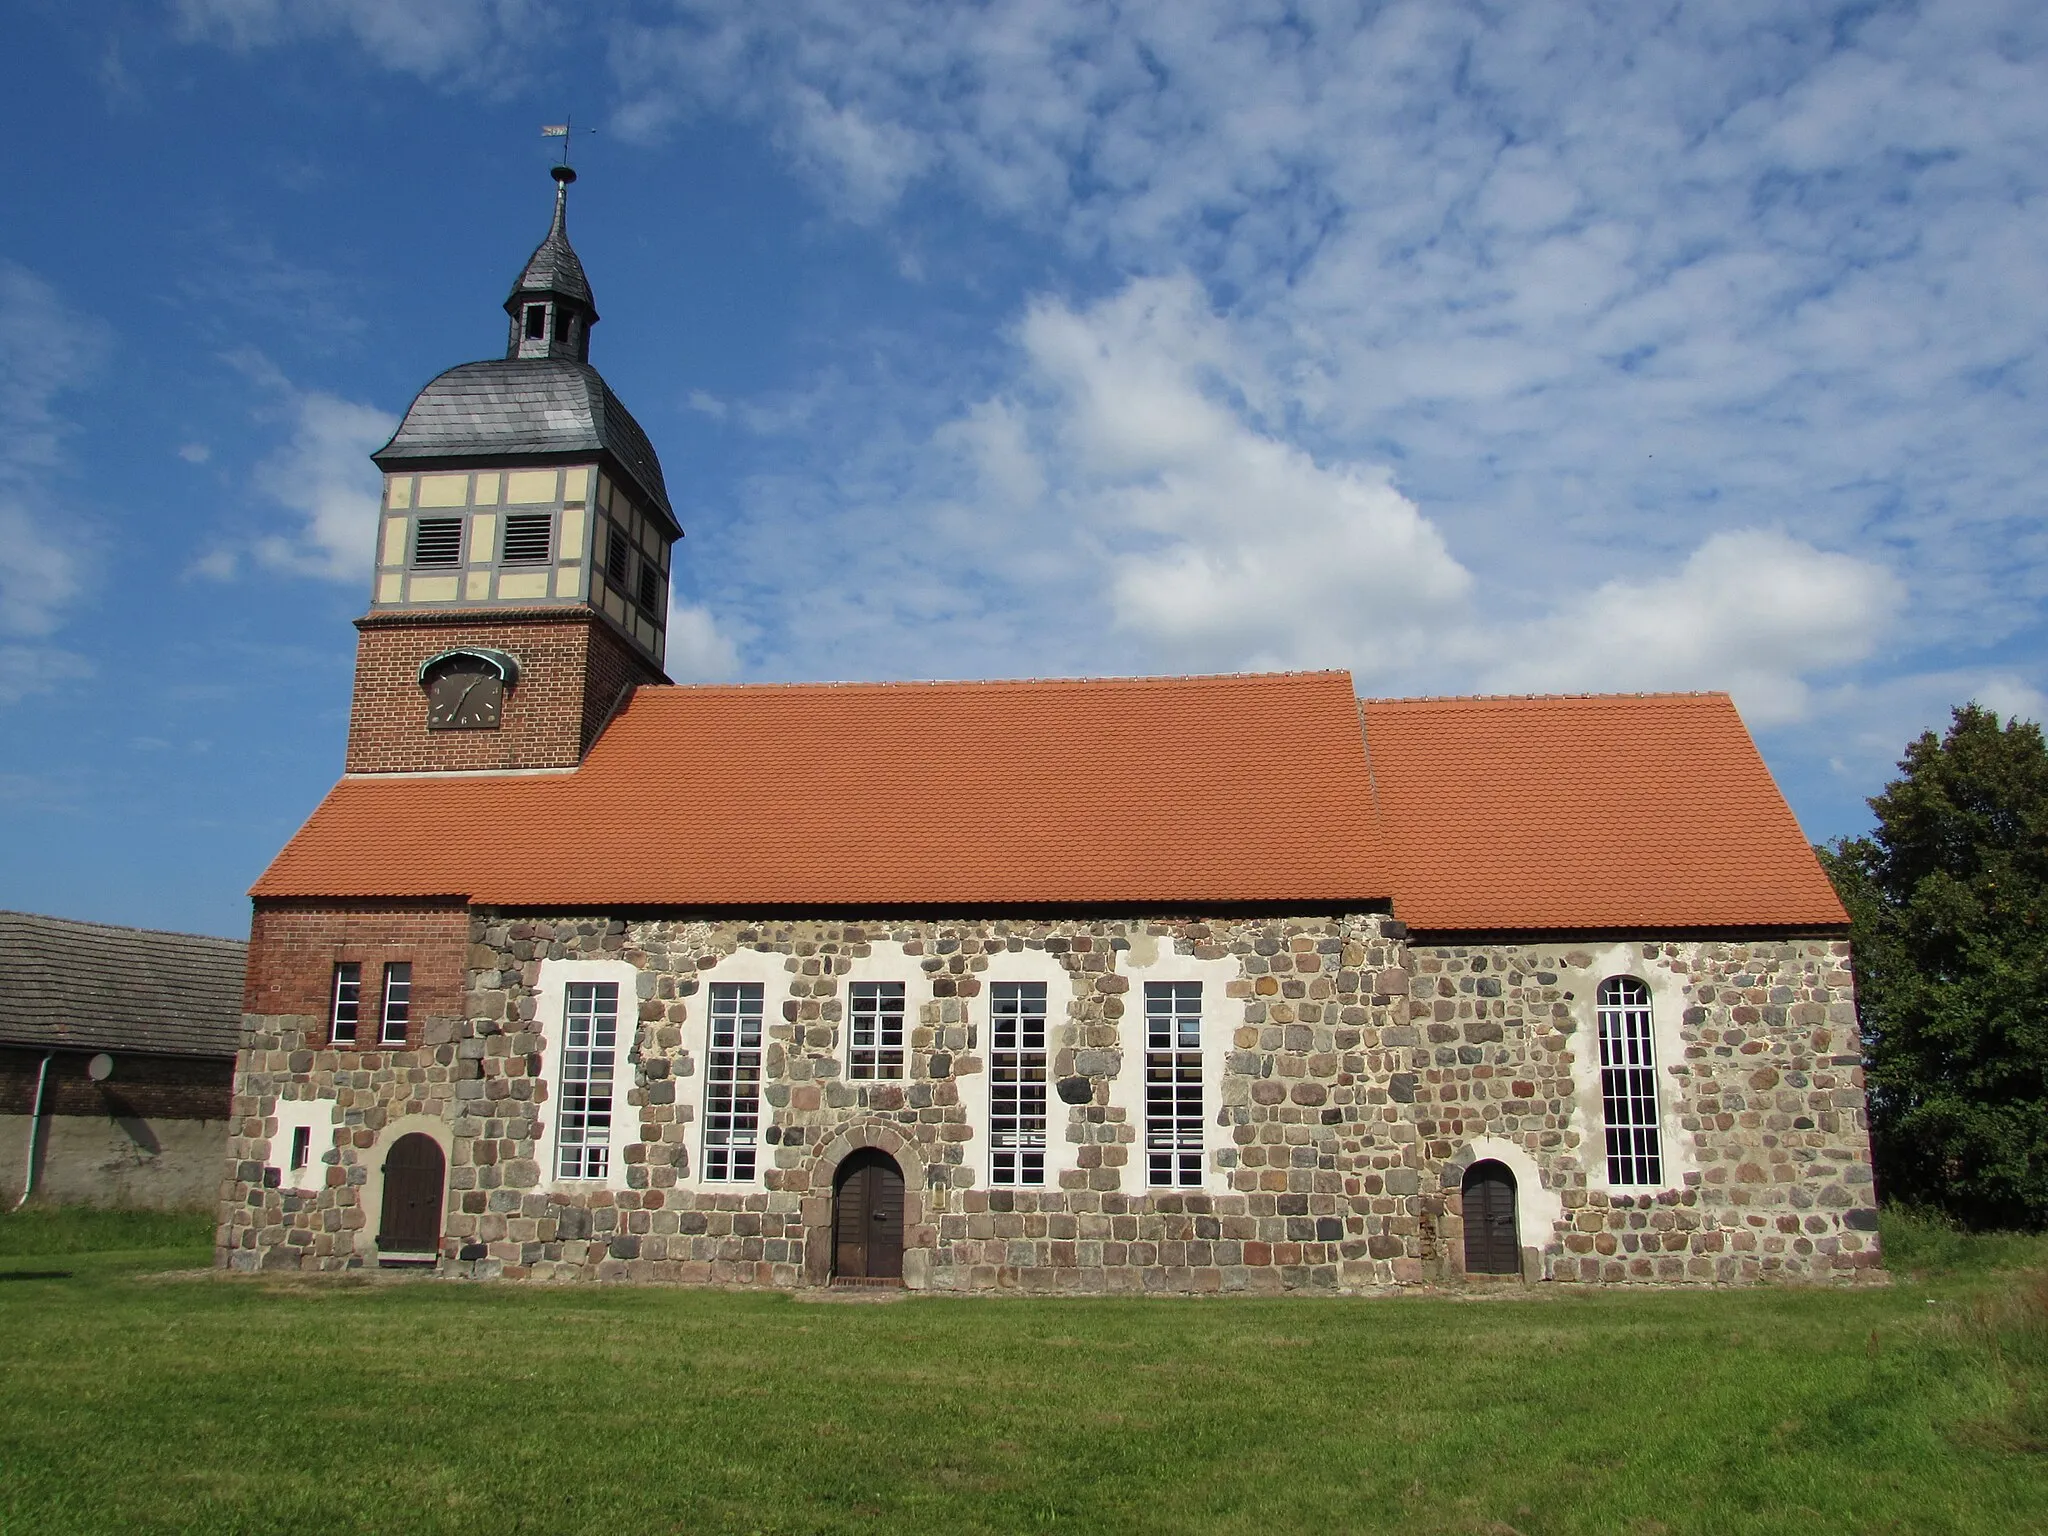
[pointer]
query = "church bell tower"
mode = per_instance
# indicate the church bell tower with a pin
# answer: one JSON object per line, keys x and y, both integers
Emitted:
{"x": 522, "y": 568}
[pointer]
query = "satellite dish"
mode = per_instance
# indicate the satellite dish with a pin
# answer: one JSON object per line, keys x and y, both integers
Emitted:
{"x": 100, "y": 1068}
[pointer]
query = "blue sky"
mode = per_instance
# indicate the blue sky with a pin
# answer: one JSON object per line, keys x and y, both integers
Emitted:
{"x": 1472, "y": 348}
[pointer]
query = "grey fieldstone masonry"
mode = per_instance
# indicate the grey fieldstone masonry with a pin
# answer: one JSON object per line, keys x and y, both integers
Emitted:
{"x": 1355, "y": 1077}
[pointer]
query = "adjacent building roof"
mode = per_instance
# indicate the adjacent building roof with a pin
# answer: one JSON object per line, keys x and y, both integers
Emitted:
{"x": 519, "y": 407}
{"x": 94, "y": 987}
{"x": 1200, "y": 791}
{"x": 1627, "y": 812}
{"x": 1620, "y": 811}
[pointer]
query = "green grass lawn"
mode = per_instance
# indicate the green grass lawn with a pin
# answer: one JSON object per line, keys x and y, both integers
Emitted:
{"x": 129, "y": 1401}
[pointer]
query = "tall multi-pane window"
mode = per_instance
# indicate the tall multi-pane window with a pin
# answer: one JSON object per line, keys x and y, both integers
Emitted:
{"x": 875, "y": 1030}
{"x": 1016, "y": 1109}
{"x": 732, "y": 1085}
{"x": 397, "y": 1013}
{"x": 347, "y": 1003}
{"x": 1173, "y": 1082}
{"x": 590, "y": 1049}
{"x": 1628, "y": 1083}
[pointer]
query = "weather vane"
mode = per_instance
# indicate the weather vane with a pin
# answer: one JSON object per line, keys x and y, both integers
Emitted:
{"x": 564, "y": 130}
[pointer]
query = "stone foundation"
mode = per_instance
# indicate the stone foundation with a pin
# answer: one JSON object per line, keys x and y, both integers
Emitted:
{"x": 1351, "y": 1077}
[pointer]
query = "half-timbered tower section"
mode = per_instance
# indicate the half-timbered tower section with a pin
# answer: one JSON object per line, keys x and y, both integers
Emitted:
{"x": 1171, "y": 984}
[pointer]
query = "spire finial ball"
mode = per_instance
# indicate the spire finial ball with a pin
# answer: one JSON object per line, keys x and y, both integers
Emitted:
{"x": 562, "y": 173}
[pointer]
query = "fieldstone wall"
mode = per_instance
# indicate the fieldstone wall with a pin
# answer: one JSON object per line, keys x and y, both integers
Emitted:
{"x": 1361, "y": 1075}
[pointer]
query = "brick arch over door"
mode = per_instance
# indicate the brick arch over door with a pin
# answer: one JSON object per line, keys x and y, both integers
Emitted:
{"x": 821, "y": 1172}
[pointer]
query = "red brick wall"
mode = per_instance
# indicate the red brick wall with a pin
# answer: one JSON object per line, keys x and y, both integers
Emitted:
{"x": 294, "y": 947}
{"x": 572, "y": 668}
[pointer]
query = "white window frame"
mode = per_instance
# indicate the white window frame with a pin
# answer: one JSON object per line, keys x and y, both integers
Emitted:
{"x": 1624, "y": 1021}
{"x": 771, "y": 969}
{"x": 1669, "y": 996}
{"x": 1017, "y": 1156}
{"x": 726, "y": 1050}
{"x": 386, "y": 1001}
{"x": 550, "y": 1018}
{"x": 1175, "y": 1140}
{"x": 334, "y": 1002}
{"x": 885, "y": 961}
{"x": 869, "y": 1042}
{"x": 1153, "y": 958}
{"x": 972, "y": 1075}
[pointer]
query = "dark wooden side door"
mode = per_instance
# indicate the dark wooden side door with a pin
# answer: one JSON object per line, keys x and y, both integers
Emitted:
{"x": 1492, "y": 1246}
{"x": 867, "y": 1217}
{"x": 413, "y": 1172}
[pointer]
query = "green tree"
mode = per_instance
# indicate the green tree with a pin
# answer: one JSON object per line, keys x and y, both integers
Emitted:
{"x": 1947, "y": 899}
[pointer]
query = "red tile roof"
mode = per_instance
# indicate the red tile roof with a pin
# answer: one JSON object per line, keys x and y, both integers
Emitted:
{"x": 1620, "y": 811}
{"x": 1194, "y": 791}
{"x": 1526, "y": 813}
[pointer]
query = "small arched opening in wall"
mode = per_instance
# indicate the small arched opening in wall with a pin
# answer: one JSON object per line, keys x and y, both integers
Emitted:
{"x": 863, "y": 1169}
{"x": 405, "y": 1196}
{"x": 1533, "y": 1212}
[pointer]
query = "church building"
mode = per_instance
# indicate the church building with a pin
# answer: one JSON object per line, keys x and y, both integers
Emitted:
{"x": 1168, "y": 984}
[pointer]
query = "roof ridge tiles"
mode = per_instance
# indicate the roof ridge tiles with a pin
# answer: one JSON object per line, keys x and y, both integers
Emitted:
{"x": 1160, "y": 680}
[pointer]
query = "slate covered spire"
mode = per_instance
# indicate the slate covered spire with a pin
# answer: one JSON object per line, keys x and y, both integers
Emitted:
{"x": 551, "y": 307}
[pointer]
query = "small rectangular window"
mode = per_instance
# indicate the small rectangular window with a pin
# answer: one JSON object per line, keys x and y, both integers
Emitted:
{"x": 1173, "y": 1082}
{"x": 590, "y": 1043}
{"x": 397, "y": 1003}
{"x": 536, "y": 322}
{"x": 347, "y": 1007}
{"x": 617, "y": 551}
{"x": 302, "y": 1147}
{"x": 876, "y": 1033}
{"x": 528, "y": 538}
{"x": 1016, "y": 1111}
{"x": 1628, "y": 1082}
{"x": 650, "y": 587}
{"x": 732, "y": 1085}
{"x": 437, "y": 541}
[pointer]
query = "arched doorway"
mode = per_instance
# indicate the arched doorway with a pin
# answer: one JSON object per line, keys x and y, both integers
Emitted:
{"x": 413, "y": 1177}
{"x": 867, "y": 1217}
{"x": 1492, "y": 1245}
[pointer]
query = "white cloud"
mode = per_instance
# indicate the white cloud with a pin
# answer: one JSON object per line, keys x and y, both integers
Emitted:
{"x": 473, "y": 41}
{"x": 1754, "y": 612}
{"x": 1224, "y": 546}
{"x": 194, "y": 453}
{"x": 698, "y": 650}
{"x": 45, "y": 350}
{"x": 323, "y": 476}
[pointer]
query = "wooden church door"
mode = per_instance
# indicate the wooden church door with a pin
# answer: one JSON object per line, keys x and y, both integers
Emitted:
{"x": 867, "y": 1218}
{"x": 1492, "y": 1246}
{"x": 413, "y": 1172}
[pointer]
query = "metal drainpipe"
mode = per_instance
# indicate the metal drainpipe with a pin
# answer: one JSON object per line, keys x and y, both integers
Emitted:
{"x": 35, "y": 1124}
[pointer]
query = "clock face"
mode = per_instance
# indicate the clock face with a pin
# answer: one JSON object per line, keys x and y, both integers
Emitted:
{"x": 464, "y": 695}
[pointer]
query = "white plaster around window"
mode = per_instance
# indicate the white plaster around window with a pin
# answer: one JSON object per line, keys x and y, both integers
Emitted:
{"x": 550, "y": 1006}
{"x": 317, "y": 1117}
{"x": 770, "y": 969}
{"x": 1151, "y": 959}
{"x": 885, "y": 961}
{"x": 1667, "y": 1013}
{"x": 1027, "y": 965}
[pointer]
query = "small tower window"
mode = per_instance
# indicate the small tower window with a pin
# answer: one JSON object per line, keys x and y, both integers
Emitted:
{"x": 528, "y": 537}
{"x": 650, "y": 588}
{"x": 437, "y": 541}
{"x": 616, "y": 552}
{"x": 536, "y": 322}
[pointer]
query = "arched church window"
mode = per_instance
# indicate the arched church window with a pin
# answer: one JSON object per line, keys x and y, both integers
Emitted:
{"x": 1628, "y": 1082}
